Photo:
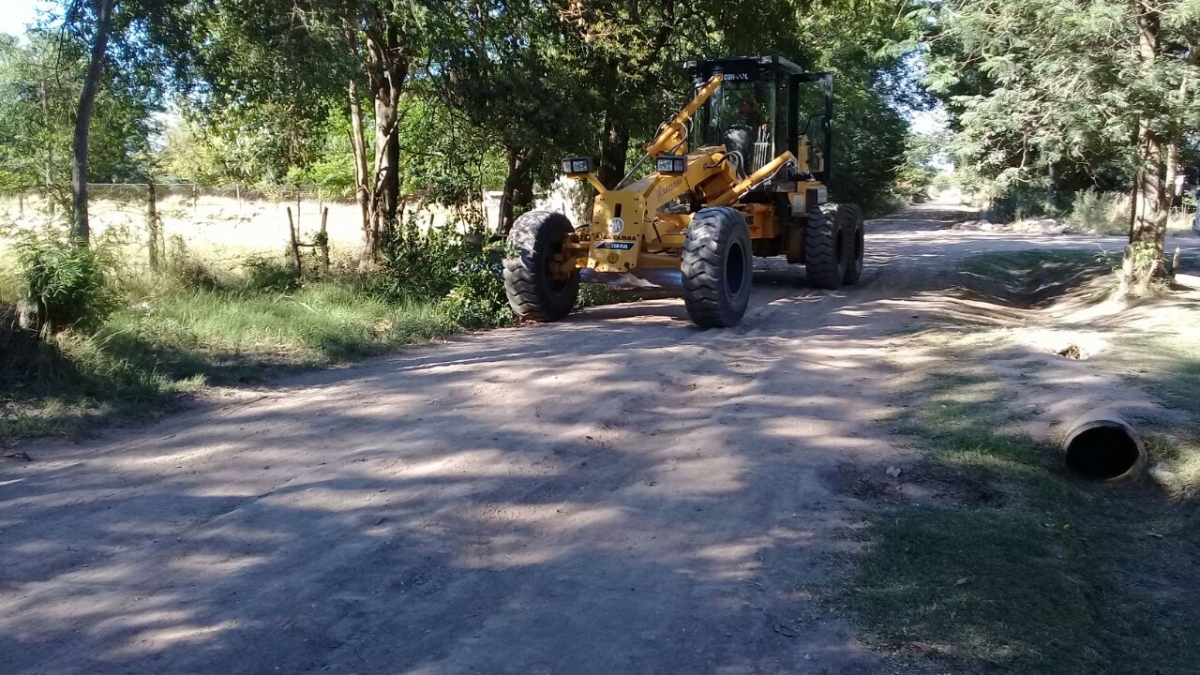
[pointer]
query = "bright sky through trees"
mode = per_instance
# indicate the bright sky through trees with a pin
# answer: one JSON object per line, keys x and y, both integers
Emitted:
{"x": 17, "y": 14}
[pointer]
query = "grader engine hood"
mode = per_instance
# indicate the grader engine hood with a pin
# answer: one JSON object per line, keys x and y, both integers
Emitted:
{"x": 618, "y": 219}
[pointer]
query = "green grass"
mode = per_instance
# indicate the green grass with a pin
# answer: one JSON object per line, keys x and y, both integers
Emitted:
{"x": 150, "y": 352}
{"x": 155, "y": 350}
{"x": 231, "y": 338}
{"x": 1053, "y": 576}
{"x": 1169, "y": 367}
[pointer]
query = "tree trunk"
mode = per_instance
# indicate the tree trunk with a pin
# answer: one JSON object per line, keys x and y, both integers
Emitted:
{"x": 516, "y": 166}
{"x": 523, "y": 190}
{"x": 1171, "y": 173}
{"x": 49, "y": 168}
{"x": 358, "y": 146}
{"x": 83, "y": 122}
{"x": 614, "y": 150}
{"x": 387, "y": 168}
{"x": 294, "y": 242}
{"x": 1151, "y": 200}
{"x": 387, "y": 67}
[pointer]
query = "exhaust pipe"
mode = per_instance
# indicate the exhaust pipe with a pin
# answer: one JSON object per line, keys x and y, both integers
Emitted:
{"x": 1100, "y": 445}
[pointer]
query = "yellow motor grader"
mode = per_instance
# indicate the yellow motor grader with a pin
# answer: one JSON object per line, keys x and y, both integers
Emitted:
{"x": 741, "y": 171}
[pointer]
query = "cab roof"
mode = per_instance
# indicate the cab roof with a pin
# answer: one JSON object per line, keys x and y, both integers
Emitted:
{"x": 743, "y": 64}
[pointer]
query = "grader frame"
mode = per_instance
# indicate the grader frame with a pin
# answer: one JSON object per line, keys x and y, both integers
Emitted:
{"x": 705, "y": 211}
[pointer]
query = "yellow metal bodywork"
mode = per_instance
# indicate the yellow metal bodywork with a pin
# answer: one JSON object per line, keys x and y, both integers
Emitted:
{"x": 638, "y": 226}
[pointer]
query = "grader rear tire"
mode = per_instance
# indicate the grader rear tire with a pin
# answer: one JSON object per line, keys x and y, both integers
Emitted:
{"x": 534, "y": 292}
{"x": 853, "y": 230}
{"x": 825, "y": 247}
{"x": 717, "y": 267}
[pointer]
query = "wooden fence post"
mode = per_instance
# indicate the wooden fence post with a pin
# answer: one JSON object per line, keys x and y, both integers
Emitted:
{"x": 295, "y": 241}
{"x": 323, "y": 240}
{"x": 154, "y": 229}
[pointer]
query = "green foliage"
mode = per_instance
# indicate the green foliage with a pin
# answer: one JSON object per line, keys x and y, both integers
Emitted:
{"x": 444, "y": 264}
{"x": 1107, "y": 213}
{"x": 922, "y": 155}
{"x": 595, "y": 295}
{"x": 1099, "y": 213}
{"x": 185, "y": 270}
{"x": 63, "y": 283}
{"x": 868, "y": 148}
{"x": 421, "y": 264}
{"x": 175, "y": 341}
{"x": 477, "y": 299}
{"x": 39, "y": 89}
{"x": 270, "y": 274}
{"x": 444, "y": 157}
{"x": 1020, "y": 201}
{"x": 260, "y": 144}
{"x": 1050, "y": 93}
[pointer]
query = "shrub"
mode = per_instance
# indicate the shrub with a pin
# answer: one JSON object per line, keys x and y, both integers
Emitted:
{"x": 1099, "y": 213}
{"x": 442, "y": 264}
{"x": 422, "y": 264}
{"x": 1019, "y": 202}
{"x": 187, "y": 271}
{"x": 63, "y": 284}
{"x": 269, "y": 274}
{"x": 477, "y": 299}
{"x": 596, "y": 295}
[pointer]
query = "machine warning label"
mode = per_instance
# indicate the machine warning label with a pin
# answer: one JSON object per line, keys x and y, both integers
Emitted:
{"x": 615, "y": 245}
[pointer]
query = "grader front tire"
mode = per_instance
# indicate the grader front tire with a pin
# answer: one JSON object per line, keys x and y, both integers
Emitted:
{"x": 537, "y": 289}
{"x": 717, "y": 268}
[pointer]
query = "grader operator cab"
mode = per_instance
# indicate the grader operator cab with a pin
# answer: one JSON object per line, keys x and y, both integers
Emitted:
{"x": 741, "y": 171}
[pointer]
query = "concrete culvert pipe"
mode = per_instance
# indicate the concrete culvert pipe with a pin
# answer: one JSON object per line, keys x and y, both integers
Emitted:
{"x": 1101, "y": 445}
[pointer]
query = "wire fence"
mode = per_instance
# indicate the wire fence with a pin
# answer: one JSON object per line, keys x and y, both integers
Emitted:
{"x": 222, "y": 226}
{"x": 225, "y": 225}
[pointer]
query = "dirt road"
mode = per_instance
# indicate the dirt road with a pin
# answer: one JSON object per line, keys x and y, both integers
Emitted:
{"x": 618, "y": 493}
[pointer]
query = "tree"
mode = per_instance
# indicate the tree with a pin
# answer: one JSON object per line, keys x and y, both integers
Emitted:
{"x": 630, "y": 53}
{"x": 1076, "y": 85}
{"x": 40, "y": 83}
{"x": 103, "y": 10}
{"x": 500, "y": 65}
{"x": 309, "y": 53}
{"x": 139, "y": 27}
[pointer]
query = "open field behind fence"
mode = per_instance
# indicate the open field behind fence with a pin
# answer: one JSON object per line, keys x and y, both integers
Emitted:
{"x": 224, "y": 226}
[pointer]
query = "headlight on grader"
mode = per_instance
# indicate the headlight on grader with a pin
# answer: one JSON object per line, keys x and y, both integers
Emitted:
{"x": 577, "y": 166}
{"x": 671, "y": 164}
